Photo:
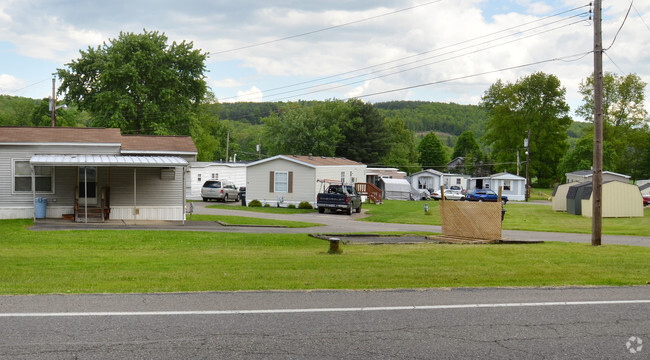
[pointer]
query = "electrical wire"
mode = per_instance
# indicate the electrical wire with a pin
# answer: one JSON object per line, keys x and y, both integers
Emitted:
{"x": 408, "y": 69}
{"x": 326, "y": 29}
{"x": 621, "y": 27}
{"x": 468, "y": 76}
{"x": 425, "y": 52}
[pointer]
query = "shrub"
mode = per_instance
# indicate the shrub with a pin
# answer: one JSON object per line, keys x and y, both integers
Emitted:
{"x": 305, "y": 205}
{"x": 255, "y": 203}
{"x": 291, "y": 206}
{"x": 267, "y": 205}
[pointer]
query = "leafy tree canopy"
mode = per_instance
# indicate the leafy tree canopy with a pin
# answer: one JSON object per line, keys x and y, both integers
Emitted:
{"x": 138, "y": 83}
{"x": 432, "y": 154}
{"x": 535, "y": 103}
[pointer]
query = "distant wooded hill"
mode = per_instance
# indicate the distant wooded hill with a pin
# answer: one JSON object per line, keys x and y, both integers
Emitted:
{"x": 419, "y": 116}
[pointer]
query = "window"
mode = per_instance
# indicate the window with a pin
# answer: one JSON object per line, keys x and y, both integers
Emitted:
{"x": 506, "y": 184}
{"x": 458, "y": 181}
{"x": 215, "y": 176}
{"x": 43, "y": 177}
{"x": 281, "y": 181}
{"x": 342, "y": 176}
{"x": 198, "y": 178}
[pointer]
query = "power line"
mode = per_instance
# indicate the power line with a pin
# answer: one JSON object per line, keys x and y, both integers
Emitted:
{"x": 412, "y": 68}
{"x": 468, "y": 76}
{"x": 621, "y": 27}
{"x": 428, "y": 51}
{"x": 326, "y": 29}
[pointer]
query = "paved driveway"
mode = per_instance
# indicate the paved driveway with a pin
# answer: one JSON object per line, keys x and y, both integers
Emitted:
{"x": 335, "y": 223}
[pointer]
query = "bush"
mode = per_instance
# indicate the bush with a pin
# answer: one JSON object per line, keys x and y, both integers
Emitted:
{"x": 267, "y": 205}
{"x": 255, "y": 203}
{"x": 305, "y": 205}
{"x": 291, "y": 206}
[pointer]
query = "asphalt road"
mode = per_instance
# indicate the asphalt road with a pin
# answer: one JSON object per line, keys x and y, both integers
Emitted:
{"x": 564, "y": 323}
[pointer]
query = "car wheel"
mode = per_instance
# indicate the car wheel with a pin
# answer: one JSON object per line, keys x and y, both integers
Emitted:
{"x": 205, "y": 199}
{"x": 358, "y": 210}
{"x": 321, "y": 210}
{"x": 480, "y": 200}
{"x": 225, "y": 198}
{"x": 238, "y": 198}
{"x": 349, "y": 211}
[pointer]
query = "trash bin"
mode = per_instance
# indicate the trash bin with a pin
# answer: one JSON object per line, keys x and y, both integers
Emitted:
{"x": 503, "y": 213}
{"x": 242, "y": 195}
{"x": 41, "y": 207}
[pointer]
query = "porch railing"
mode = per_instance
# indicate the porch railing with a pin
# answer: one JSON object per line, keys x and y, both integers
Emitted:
{"x": 371, "y": 191}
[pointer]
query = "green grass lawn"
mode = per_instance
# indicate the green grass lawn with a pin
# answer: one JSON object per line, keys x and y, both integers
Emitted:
{"x": 264, "y": 209}
{"x": 519, "y": 216}
{"x": 244, "y": 220}
{"x": 119, "y": 261}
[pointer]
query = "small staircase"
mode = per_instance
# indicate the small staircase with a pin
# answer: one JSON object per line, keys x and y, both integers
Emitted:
{"x": 371, "y": 191}
{"x": 95, "y": 213}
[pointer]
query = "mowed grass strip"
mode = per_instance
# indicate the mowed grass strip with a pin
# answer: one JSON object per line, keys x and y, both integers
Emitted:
{"x": 118, "y": 261}
{"x": 244, "y": 220}
{"x": 519, "y": 216}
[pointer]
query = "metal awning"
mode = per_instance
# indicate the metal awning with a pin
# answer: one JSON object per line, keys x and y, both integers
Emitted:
{"x": 107, "y": 160}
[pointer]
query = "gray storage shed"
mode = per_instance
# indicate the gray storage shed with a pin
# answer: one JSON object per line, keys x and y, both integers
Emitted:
{"x": 574, "y": 197}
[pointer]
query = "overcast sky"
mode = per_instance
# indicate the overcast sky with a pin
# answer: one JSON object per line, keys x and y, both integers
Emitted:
{"x": 379, "y": 50}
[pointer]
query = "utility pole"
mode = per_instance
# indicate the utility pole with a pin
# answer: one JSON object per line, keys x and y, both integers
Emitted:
{"x": 53, "y": 103}
{"x": 518, "y": 163}
{"x": 597, "y": 178}
{"x": 527, "y": 143}
{"x": 227, "y": 145}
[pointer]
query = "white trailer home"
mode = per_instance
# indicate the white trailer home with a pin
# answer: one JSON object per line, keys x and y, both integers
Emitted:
{"x": 96, "y": 173}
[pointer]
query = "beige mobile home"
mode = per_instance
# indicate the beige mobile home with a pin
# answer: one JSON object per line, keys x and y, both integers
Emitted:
{"x": 290, "y": 179}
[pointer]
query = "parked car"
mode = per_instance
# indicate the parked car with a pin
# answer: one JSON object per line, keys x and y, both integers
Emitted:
{"x": 646, "y": 199}
{"x": 339, "y": 197}
{"x": 450, "y": 194}
{"x": 484, "y": 195}
{"x": 219, "y": 190}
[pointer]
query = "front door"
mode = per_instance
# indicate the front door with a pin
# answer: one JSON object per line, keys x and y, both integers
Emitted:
{"x": 87, "y": 185}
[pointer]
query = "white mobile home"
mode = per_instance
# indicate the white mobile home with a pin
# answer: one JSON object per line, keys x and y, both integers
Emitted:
{"x": 200, "y": 172}
{"x": 514, "y": 187}
{"x": 282, "y": 180}
{"x": 78, "y": 173}
{"x": 429, "y": 179}
{"x": 586, "y": 175}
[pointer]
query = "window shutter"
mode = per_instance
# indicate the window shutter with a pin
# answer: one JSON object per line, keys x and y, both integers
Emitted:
{"x": 271, "y": 182}
{"x": 290, "y": 181}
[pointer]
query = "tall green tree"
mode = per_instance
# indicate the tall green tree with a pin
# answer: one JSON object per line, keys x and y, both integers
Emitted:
{"x": 468, "y": 148}
{"x": 432, "y": 154}
{"x": 366, "y": 136}
{"x": 138, "y": 82}
{"x": 625, "y": 118}
{"x": 305, "y": 130}
{"x": 403, "y": 151}
{"x": 623, "y": 98}
{"x": 582, "y": 155}
{"x": 534, "y": 103}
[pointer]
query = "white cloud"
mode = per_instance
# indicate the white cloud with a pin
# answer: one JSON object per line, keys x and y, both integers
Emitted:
{"x": 254, "y": 94}
{"x": 224, "y": 83}
{"x": 10, "y": 83}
